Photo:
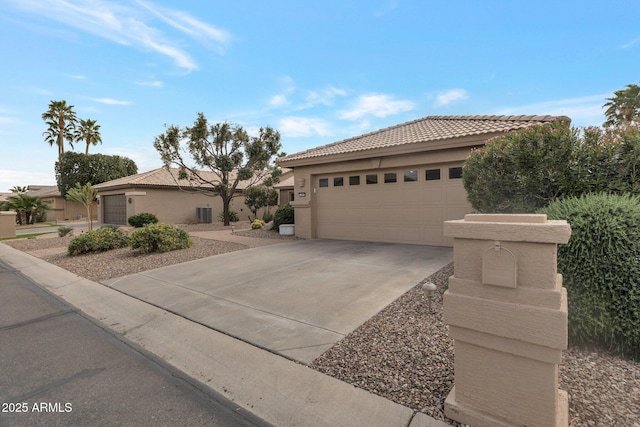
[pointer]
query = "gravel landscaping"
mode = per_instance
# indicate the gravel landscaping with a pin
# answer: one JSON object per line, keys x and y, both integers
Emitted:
{"x": 404, "y": 352}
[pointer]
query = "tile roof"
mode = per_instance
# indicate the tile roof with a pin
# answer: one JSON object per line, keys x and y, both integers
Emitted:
{"x": 431, "y": 128}
{"x": 161, "y": 177}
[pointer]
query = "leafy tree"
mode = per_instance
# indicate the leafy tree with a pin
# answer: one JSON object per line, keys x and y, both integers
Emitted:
{"x": 61, "y": 121}
{"x": 85, "y": 195}
{"x": 521, "y": 171}
{"x": 624, "y": 107}
{"x": 28, "y": 208}
{"x": 259, "y": 196}
{"x": 77, "y": 168}
{"x": 526, "y": 170}
{"x": 224, "y": 149}
{"x": 88, "y": 132}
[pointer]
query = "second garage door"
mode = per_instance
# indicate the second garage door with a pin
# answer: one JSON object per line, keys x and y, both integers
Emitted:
{"x": 114, "y": 209}
{"x": 396, "y": 205}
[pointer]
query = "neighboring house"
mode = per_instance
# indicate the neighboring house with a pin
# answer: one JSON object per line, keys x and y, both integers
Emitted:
{"x": 398, "y": 184}
{"x": 285, "y": 187}
{"x": 161, "y": 193}
{"x": 61, "y": 209}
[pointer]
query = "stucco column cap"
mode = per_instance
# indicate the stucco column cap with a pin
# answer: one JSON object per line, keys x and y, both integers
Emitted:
{"x": 535, "y": 228}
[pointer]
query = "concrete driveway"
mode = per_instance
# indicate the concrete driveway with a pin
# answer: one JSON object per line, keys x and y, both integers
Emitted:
{"x": 297, "y": 298}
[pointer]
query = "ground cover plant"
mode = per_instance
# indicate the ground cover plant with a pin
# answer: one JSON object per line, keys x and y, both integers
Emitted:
{"x": 159, "y": 238}
{"x": 103, "y": 239}
{"x": 601, "y": 270}
{"x": 142, "y": 219}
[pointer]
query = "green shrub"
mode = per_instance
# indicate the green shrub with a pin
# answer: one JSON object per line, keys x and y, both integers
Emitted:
{"x": 284, "y": 215}
{"x": 267, "y": 217}
{"x": 111, "y": 226}
{"x": 142, "y": 219}
{"x": 63, "y": 231}
{"x": 100, "y": 240}
{"x": 159, "y": 238}
{"x": 257, "y": 224}
{"x": 601, "y": 270}
{"x": 233, "y": 216}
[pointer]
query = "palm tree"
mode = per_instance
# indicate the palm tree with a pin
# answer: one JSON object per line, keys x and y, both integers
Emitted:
{"x": 61, "y": 120}
{"x": 18, "y": 189}
{"x": 624, "y": 107}
{"x": 88, "y": 132}
{"x": 27, "y": 207}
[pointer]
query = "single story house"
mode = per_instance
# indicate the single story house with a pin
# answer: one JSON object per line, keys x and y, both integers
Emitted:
{"x": 61, "y": 209}
{"x": 397, "y": 184}
{"x": 161, "y": 193}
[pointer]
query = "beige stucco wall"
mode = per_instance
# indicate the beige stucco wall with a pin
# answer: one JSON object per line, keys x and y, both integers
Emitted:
{"x": 7, "y": 224}
{"x": 306, "y": 177}
{"x": 174, "y": 206}
{"x": 65, "y": 210}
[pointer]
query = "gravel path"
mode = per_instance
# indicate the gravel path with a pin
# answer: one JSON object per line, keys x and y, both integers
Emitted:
{"x": 404, "y": 352}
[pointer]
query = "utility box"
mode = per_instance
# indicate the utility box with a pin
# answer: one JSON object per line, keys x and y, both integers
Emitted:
{"x": 204, "y": 215}
{"x": 507, "y": 313}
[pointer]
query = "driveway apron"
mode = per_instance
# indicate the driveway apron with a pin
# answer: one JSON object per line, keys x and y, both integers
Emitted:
{"x": 296, "y": 299}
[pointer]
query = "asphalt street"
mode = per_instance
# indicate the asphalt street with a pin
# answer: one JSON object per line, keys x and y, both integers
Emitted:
{"x": 59, "y": 368}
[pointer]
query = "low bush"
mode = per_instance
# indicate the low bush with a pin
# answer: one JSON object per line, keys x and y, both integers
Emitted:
{"x": 159, "y": 238}
{"x": 257, "y": 224}
{"x": 104, "y": 239}
{"x": 267, "y": 217}
{"x": 64, "y": 231}
{"x": 284, "y": 215}
{"x": 233, "y": 216}
{"x": 142, "y": 219}
{"x": 601, "y": 270}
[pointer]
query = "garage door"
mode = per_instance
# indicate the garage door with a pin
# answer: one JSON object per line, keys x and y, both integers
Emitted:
{"x": 396, "y": 205}
{"x": 114, "y": 209}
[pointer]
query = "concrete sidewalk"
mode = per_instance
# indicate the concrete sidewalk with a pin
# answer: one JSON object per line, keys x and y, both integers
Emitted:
{"x": 275, "y": 389}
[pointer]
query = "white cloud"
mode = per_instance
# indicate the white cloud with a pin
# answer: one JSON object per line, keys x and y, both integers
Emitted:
{"x": 378, "y": 105}
{"x": 303, "y": 126}
{"x": 449, "y": 96}
{"x": 77, "y": 77}
{"x": 324, "y": 96}
{"x": 10, "y": 178}
{"x": 110, "y": 101}
{"x": 278, "y": 100}
{"x": 154, "y": 83}
{"x": 631, "y": 43}
{"x": 130, "y": 25}
{"x": 583, "y": 111}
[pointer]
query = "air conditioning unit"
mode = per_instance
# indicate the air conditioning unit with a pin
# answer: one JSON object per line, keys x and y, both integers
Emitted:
{"x": 204, "y": 215}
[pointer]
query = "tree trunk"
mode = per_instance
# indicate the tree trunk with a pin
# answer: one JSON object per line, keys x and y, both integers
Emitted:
{"x": 225, "y": 209}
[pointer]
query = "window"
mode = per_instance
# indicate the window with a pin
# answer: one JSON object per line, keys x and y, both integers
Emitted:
{"x": 354, "y": 180}
{"x": 338, "y": 181}
{"x": 432, "y": 174}
{"x": 390, "y": 177}
{"x": 455, "y": 173}
{"x": 372, "y": 179}
{"x": 410, "y": 176}
{"x": 324, "y": 182}
{"x": 291, "y": 196}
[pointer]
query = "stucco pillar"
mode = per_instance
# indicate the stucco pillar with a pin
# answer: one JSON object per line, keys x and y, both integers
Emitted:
{"x": 507, "y": 313}
{"x": 8, "y": 224}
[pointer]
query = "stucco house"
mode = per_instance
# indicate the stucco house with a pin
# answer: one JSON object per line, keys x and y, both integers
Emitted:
{"x": 161, "y": 193}
{"x": 61, "y": 209}
{"x": 397, "y": 184}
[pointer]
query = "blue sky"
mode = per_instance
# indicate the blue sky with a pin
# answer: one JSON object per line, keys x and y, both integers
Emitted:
{"x": 318, "y": 71}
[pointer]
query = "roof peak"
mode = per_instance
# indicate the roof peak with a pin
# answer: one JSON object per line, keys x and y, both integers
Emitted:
{"x": 429, "y": 128}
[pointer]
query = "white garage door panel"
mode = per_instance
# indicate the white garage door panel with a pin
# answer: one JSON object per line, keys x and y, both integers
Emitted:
{"x": 401, "y": 212}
